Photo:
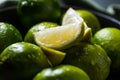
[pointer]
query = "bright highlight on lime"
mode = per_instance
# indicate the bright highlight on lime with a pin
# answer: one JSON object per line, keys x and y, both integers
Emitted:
{"x": 23, "y": 61}
{"x": 9, "y": 34}
{"x": 62, "y": 72}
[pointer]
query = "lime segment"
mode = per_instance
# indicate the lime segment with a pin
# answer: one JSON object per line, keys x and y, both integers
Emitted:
{"x": 64, "y": 36}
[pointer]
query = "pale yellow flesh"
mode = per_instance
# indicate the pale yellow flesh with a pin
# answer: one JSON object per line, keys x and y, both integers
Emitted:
{"x": 71, "y": 17}
{"x": 59, "y": 37}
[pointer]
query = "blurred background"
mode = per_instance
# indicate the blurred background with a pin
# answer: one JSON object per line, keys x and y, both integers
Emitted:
{"x": 109, "y": 7}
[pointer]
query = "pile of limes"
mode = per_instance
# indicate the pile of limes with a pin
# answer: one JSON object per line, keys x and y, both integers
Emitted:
{"x": 74, "y": 48}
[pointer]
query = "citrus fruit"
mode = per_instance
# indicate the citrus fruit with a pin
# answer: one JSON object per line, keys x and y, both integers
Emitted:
{"x": 91, "y": 58}
{"x": 109, "y": 39}
{"x": 90, "y": 19}
{"x": 62, "y": 72}
{"x": 29, "y": 37}
{"x": 21, "y": 61}
{"x": 62, "y": 36}
{"x": 32, "y": 12}
{"x": 8, "y": 35}
{"x": 55, "y": 57}
{"x": 71, "y": 17}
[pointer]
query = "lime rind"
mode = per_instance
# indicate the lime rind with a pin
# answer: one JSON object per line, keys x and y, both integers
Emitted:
{"x": 55, "y": 57}
{"x": 87, "y": 34}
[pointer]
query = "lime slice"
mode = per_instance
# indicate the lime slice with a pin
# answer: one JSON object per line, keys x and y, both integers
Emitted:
{"x": 73, "y": 17}
{"x": 55, "y": 57}
{"x": 63, "y": 36}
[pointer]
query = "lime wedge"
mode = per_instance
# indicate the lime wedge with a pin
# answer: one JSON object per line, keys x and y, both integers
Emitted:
{"x": 64, "y": 36}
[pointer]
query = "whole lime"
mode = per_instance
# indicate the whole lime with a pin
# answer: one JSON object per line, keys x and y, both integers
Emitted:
{"x": 91, "y": 58}
{"x": 62, "y": 72}
{"x": 29, "y": 37}
{"x": 32, "y": 12}
{"x": 8, "y": 35}
{"x": 90, "y": 19}
{"x": 21, "y": 61}
{"x": 109, "y": 39}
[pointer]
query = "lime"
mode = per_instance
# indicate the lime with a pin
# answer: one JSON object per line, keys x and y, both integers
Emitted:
{"x": 91, "y": 58}
{"x": 61, "y": 37}
{"x": 32, "y": 12}
{"x": 8, "y": 35}
{"x": 62, "y": 72}
{"x": 90, "y": 19}
{"x": 73, "y": 17}
{"x": 55, "y": 57}
{"x": 29, "y": 37}
{"x": 21, "y": 61}
{"x": 109, "y": 39}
